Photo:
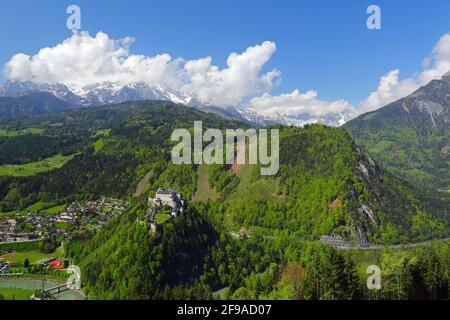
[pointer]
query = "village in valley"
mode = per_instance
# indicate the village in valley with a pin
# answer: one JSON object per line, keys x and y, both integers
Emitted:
{"x": 85, "y": 215}
{"x": 32, "y": 241}
{"x": 29, "y": 241}
{"x": 40, "y": 224}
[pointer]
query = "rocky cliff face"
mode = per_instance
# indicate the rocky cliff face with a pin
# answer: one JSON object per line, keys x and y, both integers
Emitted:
{"x": 410, "y": 137}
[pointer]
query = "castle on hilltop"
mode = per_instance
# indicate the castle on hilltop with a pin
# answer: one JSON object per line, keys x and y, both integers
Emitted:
{"x": 170, "y": 198}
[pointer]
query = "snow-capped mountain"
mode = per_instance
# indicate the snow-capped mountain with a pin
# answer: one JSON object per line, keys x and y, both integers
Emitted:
{"x": 112, "y": 93}
{"x": 336, "y": 120}
{"x": 98, "y": 94}
{"x": 108, "y": 93}
{"x": 13, "y": 87}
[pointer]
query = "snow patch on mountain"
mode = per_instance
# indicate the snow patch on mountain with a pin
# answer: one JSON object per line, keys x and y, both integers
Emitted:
{"x": 113, "y": 93}
{"x": 290, "y": 120}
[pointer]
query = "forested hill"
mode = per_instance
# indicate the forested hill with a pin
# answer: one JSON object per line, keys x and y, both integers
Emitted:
{"x": 242, "y": 230}
{"x": 410, "y": 137}
{"x": 325, "y": 185}
{"x": 258, "y": 239}
{"x": 114, "y": 147}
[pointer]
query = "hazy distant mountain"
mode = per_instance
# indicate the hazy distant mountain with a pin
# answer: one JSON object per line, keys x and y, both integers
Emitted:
{"x": 334, "y": 120}
{"x": 411, "y": 136}
{"x": 31, "y": 103}
{"x": 112, "y": 93}
{"x": 13, "y": 87}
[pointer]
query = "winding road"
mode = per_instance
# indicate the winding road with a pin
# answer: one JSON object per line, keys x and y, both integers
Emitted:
{"x": 394, "y": 246}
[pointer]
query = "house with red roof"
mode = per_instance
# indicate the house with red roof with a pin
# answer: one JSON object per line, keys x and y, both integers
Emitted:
{"x": 57, "y": 264}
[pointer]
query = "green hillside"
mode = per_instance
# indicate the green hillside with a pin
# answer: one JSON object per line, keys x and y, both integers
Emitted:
{"x": 328, "y": 186}
{"x": 325, "y": 185}
{"x": 194, "y": 257}
{"x": 410, "y": 137}
{"x": 248, "y": 234}
{"x": 138, "y": 143}
{"x": 31, "y": 103}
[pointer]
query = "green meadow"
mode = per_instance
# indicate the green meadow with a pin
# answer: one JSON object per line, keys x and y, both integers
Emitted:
{"x": 16, "y": 133}
{"x": 55, "y": 209}
{"x": 15, "y": 294}
{"x": 98, "y": 145}
{"x": 162, "y": 217}
{"x": 204, "y": 191}
{"x": 29, "y": 169}
{"x": 9, "y": 213}
{"x": 104, "y": 132}
{"x": 32, "y": 256}
{"x": 44, "y": 207}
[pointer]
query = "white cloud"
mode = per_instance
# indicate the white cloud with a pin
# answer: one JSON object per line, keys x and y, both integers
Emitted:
{"x": 239, "y": 79}
{"x": 83, "y": 60}
{"x": 271, "y": 78}
{"x": 297, "y": 103}
{"x": 392, "y": 88}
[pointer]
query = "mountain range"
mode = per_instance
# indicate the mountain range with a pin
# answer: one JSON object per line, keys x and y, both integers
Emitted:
{"x": 409, "y": 137}
{"x": 113, "y": 93}
{"x": 32, "y": 103}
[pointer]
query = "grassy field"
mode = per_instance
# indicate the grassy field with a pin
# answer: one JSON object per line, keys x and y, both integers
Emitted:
{"x": 55, "y": 209}
{"x": 98, "y": 145}
{"x": 44, "y": 207}
{"x": 143, "y": 185}
{"x": 204, "y": 192}
{"x": 104, "y": 132}
{"x": 6, "y": 133}
{"x": 32, "y": 168}
{"x": 162, "y": 217}
{"x": 249, "y": 190}
{"x": 380, "y": 146}
{"x": 34, "y": 207}
{"x": 19, "y": 257}
{"x": 261, "y": 189}
{"x": 15, "y": 294}
{"x": 9, "y": 213}
{"x": 62, "y": 225}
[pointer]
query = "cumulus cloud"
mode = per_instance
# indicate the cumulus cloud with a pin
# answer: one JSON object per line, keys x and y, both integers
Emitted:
{"x": 392, "y": 88}
{"x": 239, "y": 79}
{"x": 83, "y": 60}
{"x": 297, "y": 103}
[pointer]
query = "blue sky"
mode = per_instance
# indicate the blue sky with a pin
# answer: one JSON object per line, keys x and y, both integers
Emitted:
{"x": 321, "y": 45}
